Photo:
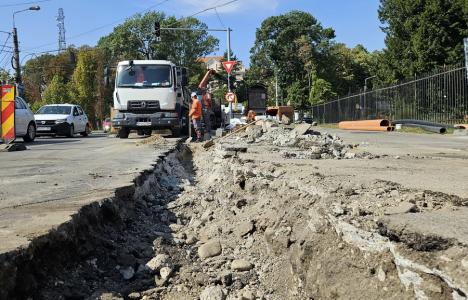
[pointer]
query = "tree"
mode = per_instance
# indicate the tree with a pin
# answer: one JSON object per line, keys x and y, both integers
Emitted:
{"x": 135, "y": 39}
{"x": 321, "y": 91}
{"x": 56, "y": 91}
{"x": 5, "y": 76}
{"x": 291, "y": 46}
{"x": 421, "y": 35}
{"x": 84, "y": 84}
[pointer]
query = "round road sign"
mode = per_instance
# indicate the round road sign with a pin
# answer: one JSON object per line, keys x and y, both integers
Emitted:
{"x": 230, "y": 97}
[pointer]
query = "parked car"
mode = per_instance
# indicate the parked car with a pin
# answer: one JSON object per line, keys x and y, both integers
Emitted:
{"x": 62, "y": 119}
{"x": 107, "y": 125}
{"x": 25, "y": 127}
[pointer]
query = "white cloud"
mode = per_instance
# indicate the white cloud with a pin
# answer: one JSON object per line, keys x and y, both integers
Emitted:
{"x": 241, "y": 6}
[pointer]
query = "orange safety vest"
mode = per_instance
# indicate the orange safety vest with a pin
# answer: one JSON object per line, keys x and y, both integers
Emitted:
{"x": 196, "y": 110}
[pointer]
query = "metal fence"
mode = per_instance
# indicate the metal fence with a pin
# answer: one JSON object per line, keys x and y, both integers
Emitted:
{"x": 439, "y": 97}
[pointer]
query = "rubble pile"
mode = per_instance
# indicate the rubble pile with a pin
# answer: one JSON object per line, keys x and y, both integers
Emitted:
{"x": 236, "y": 222}
{"x": 302, "y": 142}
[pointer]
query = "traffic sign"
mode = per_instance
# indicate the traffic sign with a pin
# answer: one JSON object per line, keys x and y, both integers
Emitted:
{"x": 8, "y": 112}
{"x": 229, "y": 65}
{"x": 230, "y": 97}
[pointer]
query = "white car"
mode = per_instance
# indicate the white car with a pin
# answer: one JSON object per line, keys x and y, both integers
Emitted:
{"x": 62, "y": 119}
{"x": 25, "y": 126}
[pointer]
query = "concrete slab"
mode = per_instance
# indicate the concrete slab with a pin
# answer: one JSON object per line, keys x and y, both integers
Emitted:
{"x": 434, "y": 230}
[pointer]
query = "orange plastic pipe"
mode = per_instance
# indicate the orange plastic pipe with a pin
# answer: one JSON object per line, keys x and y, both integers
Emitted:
{"x": 363, "y": 125}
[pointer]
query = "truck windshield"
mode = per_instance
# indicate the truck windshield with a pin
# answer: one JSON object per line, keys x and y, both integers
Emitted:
{"x": 144, "y": 76}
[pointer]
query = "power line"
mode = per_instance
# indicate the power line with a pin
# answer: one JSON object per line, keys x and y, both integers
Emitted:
{"x": 24, "y": 3}
{"x": 123, "y": 19}
{"x": 100, "y": 27}
{"x": 219, "y": 18}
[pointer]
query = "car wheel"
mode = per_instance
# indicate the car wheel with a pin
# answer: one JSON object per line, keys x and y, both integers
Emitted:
{"x": 124, "y": 133}
{"x": 87, "y": 131}
{"x": 31, "y": 133}
{"x": 71, "y": 131}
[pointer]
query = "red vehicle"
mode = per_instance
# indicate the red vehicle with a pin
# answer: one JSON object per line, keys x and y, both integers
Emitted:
{"x": 107, "y": 125}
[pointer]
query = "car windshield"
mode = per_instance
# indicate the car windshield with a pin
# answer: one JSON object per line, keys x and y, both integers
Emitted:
{"x": 144, "y": 76}
{"x": 54, "y": 110}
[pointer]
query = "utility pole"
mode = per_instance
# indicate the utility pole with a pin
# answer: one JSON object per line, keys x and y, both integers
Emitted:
{"x": 229, "y": 75}
{"x": 16, "y": 57}
{"x": 276, "y": 88}
{"x": 16, "y": 54}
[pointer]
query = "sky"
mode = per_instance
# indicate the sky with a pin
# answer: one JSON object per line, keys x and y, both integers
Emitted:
{"x": 355, "y": 22}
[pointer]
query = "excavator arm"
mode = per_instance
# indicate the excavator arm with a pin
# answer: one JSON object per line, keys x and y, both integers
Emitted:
{"x": 206, "y": 78}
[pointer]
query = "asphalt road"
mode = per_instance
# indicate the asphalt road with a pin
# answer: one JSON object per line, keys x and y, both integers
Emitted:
{"x": 41, "y": 187}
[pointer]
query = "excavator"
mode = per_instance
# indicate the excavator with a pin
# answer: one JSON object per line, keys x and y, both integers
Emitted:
{"x": 214, "y": 107}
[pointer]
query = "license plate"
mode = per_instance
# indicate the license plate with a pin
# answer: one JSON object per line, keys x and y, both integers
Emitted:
{"x": 143, "y": 123}
{"x": 43, "y": 128}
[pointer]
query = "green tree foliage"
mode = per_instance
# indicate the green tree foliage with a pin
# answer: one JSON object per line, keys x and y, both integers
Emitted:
{"x": 84, "y": 84}
{"x": 291, "y": 45}
{"x": 135, "y": 39}
{"x": 5, "y": 76}
{"x": 421, "y": 34}
{"x": 321, "y": 91}
{"x": 311, "y": 68}
{"x": 56, "y": 92}
{"x": 39, "y": 72}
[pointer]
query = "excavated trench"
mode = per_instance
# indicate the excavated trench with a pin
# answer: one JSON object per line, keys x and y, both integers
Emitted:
{"x": 105, "y": 241}
{"x": 221, "y": 224}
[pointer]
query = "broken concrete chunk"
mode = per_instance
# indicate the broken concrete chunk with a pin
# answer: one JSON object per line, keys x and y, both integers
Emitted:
{"x": 245, "y": 228}
{"x": 210, "y": 249}
{"x": 241, "y": 265}
{"x": 212, "y": 293}
{"x": 161, "y": 260}
{"x": 302, "y": 129}
{"x": 403, "y": 208}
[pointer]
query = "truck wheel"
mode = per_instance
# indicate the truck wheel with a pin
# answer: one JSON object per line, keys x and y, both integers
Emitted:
{"x": 175, "y": 132}
{"x": 186, "y": 123}
{"x": 124, "y": 133}
{"x": 148, "y": 132}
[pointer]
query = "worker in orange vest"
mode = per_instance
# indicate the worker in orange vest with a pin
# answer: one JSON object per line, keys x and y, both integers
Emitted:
{"x": 196, "y": 115}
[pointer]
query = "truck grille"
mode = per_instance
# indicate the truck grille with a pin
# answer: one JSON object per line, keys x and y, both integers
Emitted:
{"x": 152, "y": 105}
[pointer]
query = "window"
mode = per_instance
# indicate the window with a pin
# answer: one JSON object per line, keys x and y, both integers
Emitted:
{"x": 80, "y": 111}
{"x": 19, "y": 104}
{"x": 75, "y": 112}
{"x": 54, "y": 110}
{"x": 144, "y": 76}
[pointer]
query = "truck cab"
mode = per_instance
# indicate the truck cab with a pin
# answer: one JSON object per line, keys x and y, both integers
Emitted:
{"x": 150, "y": 95}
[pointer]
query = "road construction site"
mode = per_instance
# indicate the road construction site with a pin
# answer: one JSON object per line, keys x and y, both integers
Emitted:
{"x": 273, "y": 212}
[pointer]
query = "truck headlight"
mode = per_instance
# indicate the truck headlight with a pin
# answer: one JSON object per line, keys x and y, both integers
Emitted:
{"x": 60, "y": 121}
{"x": 172, "y": 115}
{"x": 119, "y": 116}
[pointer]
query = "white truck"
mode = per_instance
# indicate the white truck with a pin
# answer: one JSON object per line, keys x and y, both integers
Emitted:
{"x": 150, "y": 95}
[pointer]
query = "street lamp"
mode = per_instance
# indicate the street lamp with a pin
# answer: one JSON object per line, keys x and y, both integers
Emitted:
{"x": 16, "y": 56}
